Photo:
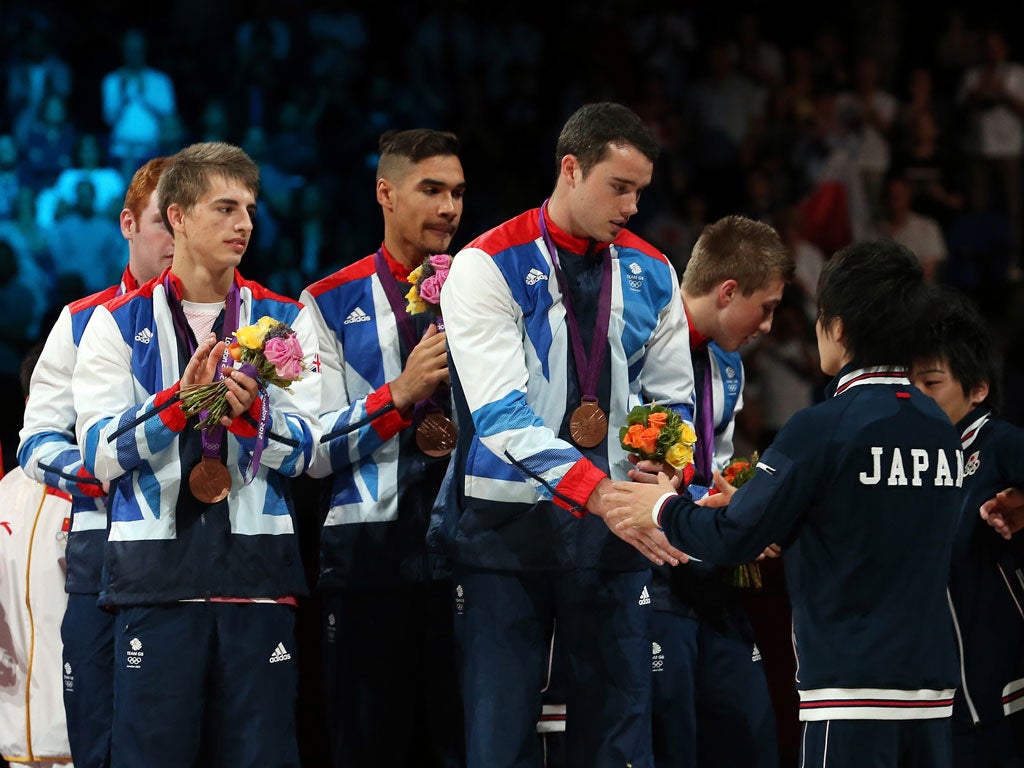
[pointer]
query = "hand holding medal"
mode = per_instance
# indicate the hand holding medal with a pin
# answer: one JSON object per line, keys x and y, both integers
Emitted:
{"x": 436, "y": 433}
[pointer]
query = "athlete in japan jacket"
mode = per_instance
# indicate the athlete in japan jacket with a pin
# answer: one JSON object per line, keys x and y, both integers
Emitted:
{"x": 521, "y": 484}
{"x": 383, "y": 486}
{"x": 163, "y": 544}
{"x": 863, "y": 493}
{"x": 48, "y": 452}
{"x": 986, "y": 586}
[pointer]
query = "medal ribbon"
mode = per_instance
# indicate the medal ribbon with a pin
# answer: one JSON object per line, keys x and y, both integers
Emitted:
{"x": 407, "y": 329}
{"x": 213, "y": 438}
{"x": 705, "y": 450}
{"x": 588, "y": 367}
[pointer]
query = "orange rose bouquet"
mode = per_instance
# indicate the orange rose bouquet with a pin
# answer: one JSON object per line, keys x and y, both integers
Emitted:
{"x": 657, "y": 433}
{"x": 738, "y": 472}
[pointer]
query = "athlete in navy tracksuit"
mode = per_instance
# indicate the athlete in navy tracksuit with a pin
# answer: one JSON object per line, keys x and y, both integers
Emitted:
{"x": 863, "y": 493}
{"x": 960, "y": 370}
{"x": 987, "y": 592}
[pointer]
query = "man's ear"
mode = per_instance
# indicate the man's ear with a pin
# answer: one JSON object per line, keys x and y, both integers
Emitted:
{"x": 979, "y": 393}
{"x": 570, "y": 170}
{"x": 384, "y": 194}
{"x": 727, "y": 291}
{"x": 128, "y": 227}
{"x": 176, "y": 217}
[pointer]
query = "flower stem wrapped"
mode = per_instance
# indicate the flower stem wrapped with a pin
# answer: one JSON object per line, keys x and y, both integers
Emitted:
{"x": 738, "y": 472}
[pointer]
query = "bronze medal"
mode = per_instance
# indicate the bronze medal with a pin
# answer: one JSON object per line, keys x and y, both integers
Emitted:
{"x": 588, "y": 425}
{"x": 436, "y": 435}
{"x": 209, "y": 481}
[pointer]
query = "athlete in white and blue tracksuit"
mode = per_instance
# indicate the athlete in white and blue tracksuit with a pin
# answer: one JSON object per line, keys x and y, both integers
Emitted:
{"x": 986, "y": 591}
{"x": 374, "y": 562}
{"x": 705, "y": 662}
{"x": 170, "y": 560}
{"x": 49, "y": 454}
{"x": 515, "y": 522}
{"x": 863, "y": 493}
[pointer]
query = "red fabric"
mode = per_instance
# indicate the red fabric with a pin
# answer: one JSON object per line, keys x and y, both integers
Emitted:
{"x": 172, "y": 416}
{"x": 825, "y": 217}
{"x": 89, "y": 489}
{"x": 241, "y": 426}
{"x": 392, "y": 422}
{"x": 577, "y": 484}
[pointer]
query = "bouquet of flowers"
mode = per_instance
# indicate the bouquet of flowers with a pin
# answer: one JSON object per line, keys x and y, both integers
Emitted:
{"x": 268, "y": 350}
{"x": 657, "y": 433}
{"x": 739, "y": 471}
{"x": 426, "y": 281}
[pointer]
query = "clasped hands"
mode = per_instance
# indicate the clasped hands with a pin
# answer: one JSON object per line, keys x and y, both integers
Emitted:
{"x": 242, "y": 390}
{"x": 628, "y": 509}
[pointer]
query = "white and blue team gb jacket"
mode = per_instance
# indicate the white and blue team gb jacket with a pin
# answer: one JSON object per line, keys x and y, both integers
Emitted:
{"x": 863, "y": 493}
{"x": 48, "y": 452}
{"x": 163, "y": 544}
{"x": 382, "y": 486}
{"x": 520, "y": 484}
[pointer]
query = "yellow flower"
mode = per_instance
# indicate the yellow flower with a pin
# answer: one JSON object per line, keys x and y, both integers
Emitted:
{"x": 414, "y": 304}
{"x": 415, "y": 275}
{"x": 687, "y": 434}
{"x": 251, "y": 336}
{"x": 679, "y": 455}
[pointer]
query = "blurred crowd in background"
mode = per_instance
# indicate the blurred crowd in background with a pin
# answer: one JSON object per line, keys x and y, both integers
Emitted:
{"x": 876, "y": 119}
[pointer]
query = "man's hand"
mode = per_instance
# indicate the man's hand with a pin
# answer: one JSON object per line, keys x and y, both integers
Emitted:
{"x": 650, "y": 542}
{"x": 1005, "y": 512}
{"x": 629, "y": 505}
{"x": 204, "y": 361}
{"x": 426, "y": 367}
{"x": 242, "y": 390}
{"x": 725, "y": 491}
{"x": 647, "y": 471}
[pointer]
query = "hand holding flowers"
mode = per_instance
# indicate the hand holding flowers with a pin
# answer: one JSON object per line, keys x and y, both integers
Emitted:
{"x": 656, "y": 433}
{"x": 736, "y": 473}
{"x": 268, "y": 351}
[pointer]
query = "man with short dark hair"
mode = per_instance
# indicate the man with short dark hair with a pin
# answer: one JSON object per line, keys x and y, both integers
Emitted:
{"x": 392, "y": 688}
{"x": 862, "y": 492}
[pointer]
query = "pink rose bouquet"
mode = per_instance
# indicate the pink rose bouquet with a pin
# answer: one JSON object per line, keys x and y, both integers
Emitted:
{"x": 426, "y": 281}
{"x": 268, "y": 350}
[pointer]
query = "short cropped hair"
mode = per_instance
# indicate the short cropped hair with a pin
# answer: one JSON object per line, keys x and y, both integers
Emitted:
{"x": 143, "y": 183}
{"x": 400, "y": 148}
{"x": 958, "y": 335}
{"x": 594, "y": 128}
{"x": 737, "y": 248}
{"x": 187, "y": 175}
{"x": 877, "y": 289}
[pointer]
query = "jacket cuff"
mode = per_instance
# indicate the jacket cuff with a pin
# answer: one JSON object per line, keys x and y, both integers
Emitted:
{"x": 388, "y": 424}
{"x": 576, "y": 485}
{"x": 88, "y": 485}
{"x": 246, "y": 425}
{"x": 659, "y": 506}
{"x": 173, "y": 417}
